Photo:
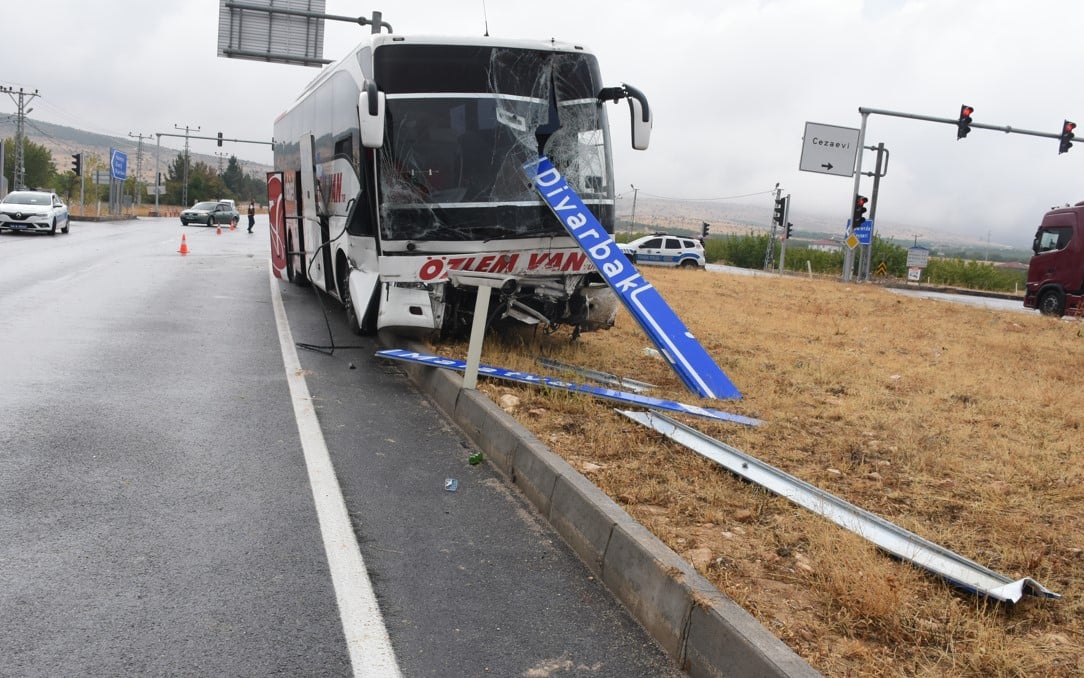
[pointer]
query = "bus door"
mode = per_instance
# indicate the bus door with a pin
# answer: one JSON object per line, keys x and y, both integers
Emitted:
{"x": 316, "y": 227}
{"x": 276, "y": 213}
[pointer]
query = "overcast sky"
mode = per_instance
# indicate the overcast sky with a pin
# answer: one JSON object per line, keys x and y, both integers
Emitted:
{"x": 731, "y": 85}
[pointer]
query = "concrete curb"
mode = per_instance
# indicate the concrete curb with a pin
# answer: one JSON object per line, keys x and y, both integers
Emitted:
{"x": 705, "y": 632}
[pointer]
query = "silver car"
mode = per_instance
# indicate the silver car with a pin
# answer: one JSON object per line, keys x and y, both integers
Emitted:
{"x": 210, "y": 213}
{"x": 39, "y": 211}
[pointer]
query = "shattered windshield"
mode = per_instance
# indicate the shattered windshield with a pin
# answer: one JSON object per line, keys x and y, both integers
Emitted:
{"x": 461, "y": 123}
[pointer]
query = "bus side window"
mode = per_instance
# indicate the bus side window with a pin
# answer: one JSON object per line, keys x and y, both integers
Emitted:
{"x": 362, "y": 219}
{"x": 344, "y": 148}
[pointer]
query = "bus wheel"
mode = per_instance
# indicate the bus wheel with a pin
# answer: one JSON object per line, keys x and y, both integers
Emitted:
{"x": 289, "y": 262}
{"x": 1052, "y": 303}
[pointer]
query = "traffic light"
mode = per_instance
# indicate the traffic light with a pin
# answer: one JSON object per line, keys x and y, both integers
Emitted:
{"x": 704, "y": 229}
{"x": 963, "y": 125}
{"x": 859, "y": 215}
{"x": 787, "y": 233}
{"x": 220, "y": 139}
{"x": 780, "y": 211}
{"x": 77, "y": 164}
{"x": 1066, "y": 137}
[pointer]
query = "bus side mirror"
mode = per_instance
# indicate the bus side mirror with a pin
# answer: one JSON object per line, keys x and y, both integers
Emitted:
{"x": 371, "y": 116}
{"x": 638, "y": 110}
{"x": 641, "y": 118}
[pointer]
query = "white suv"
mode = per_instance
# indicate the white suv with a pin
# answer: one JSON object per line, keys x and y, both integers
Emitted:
{"x": 661, "y": 249}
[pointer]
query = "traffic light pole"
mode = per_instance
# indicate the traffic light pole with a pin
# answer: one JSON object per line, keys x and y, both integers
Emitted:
{"x": 219, "y": 139}
{"x": 848, "y": 254}
{"x": 769, "y": 254}
{"x": 1065, "y": 136}
{"x": 786, "y": 234}
{"x": 877, "y": 173}
{"x": 948, "y": 121}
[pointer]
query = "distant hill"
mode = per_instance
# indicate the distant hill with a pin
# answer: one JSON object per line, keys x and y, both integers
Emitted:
{"x": 63, "y": 142}
{"x": 742, "y": 218}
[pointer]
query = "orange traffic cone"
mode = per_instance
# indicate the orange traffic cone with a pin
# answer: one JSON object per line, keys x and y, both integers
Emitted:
{"x": 218, "y": 231}
{"x": 184, "y": 246}
{"x": 233, "y": 224}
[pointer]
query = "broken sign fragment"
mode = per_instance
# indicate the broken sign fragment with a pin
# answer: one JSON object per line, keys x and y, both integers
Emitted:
{"x": 549, "y": 382}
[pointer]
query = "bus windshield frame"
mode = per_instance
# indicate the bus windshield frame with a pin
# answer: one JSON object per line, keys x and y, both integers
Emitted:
{"x": 462, "y": 121}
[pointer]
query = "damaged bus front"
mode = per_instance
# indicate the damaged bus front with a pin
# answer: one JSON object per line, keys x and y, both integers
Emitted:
{"x": 400, "y": 168}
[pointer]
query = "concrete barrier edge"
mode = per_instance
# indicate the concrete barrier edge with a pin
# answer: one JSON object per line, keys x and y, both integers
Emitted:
{"x": 705, "y": 632}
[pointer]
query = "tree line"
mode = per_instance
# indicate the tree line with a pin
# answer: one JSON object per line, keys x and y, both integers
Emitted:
{"x": 747, "y": 251}
{"x": 204, "y": 181}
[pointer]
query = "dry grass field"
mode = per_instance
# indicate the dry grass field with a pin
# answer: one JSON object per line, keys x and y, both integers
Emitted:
{"x": 963, "y": 425}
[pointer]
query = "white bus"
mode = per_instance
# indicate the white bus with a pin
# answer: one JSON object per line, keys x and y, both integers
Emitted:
{"x": 399, "y": 168}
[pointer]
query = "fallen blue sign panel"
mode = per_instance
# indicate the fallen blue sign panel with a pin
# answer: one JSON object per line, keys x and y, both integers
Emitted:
{"x": 677, "y": 344}
{"x": 550, "y": 382}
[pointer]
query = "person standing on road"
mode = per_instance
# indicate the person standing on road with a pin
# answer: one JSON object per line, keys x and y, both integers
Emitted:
{"x": 251, "y": 215}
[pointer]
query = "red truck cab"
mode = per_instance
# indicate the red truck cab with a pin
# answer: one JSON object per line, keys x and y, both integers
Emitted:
{"x": 1055, "y": 283}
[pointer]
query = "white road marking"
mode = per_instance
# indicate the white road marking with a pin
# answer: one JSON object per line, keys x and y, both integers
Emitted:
{"x": 367, "y": 639}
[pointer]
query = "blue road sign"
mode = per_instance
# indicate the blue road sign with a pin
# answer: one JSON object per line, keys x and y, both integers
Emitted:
{"x": 676, "y": 343}
{"x": 549, "y": 382}
{"x": 118, "y": 164}
{"x": 864, "y": 232}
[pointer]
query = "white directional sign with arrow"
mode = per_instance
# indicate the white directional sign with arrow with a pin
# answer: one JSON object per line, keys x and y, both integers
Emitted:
{"x": 829, "y": 149}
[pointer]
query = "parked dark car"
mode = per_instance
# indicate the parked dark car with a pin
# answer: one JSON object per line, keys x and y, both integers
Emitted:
{"x": 210, "y": 213}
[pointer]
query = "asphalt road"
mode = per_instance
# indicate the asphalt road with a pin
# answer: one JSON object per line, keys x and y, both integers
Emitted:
{"x": 156, "y": 512}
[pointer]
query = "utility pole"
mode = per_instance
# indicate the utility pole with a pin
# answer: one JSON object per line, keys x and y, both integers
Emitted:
{"x": 184, "y": 191}
{"x": 19, "y": 171}
{"x": 635, "y": 191}
{"x": 139, "y": 166}
{"x": 221, "y": 156}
